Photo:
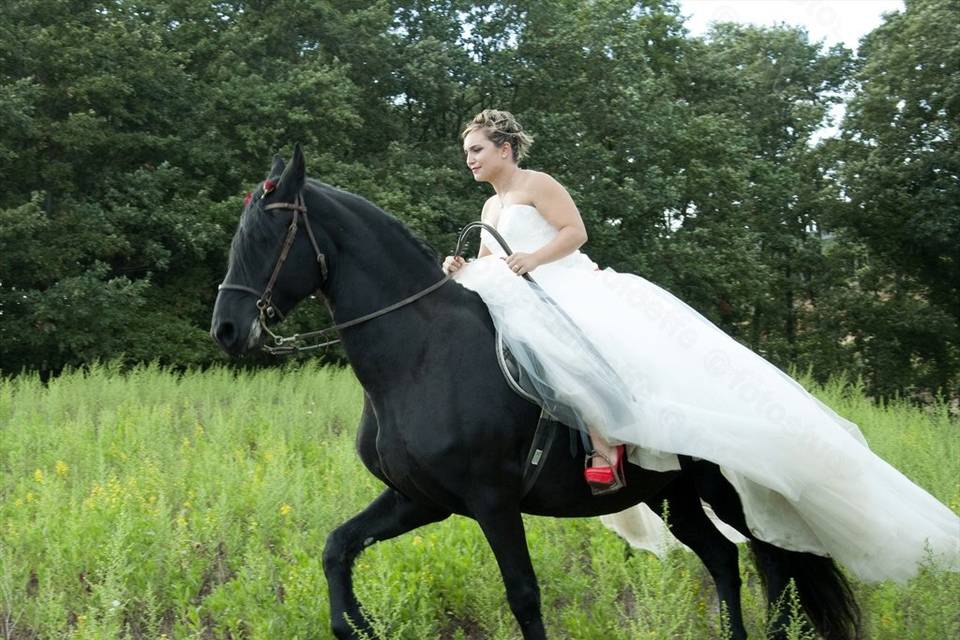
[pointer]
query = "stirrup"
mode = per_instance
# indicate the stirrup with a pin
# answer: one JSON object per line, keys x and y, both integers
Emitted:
{"x": 607, "y": 479}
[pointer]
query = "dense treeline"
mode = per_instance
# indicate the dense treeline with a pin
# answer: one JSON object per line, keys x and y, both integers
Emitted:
{"x": 129, "y": 131}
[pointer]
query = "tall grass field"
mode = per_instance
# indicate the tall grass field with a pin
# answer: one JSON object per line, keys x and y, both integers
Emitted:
{"x": 152, "y": 504}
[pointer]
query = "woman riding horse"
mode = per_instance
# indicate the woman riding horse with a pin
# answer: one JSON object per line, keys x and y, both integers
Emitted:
{"x": 445, "y": 444}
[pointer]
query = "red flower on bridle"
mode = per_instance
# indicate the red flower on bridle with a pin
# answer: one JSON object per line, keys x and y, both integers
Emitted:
{"x": 268, "y": 186}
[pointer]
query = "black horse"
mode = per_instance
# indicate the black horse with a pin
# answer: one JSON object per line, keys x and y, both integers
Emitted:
{"x": 441, "y": 428}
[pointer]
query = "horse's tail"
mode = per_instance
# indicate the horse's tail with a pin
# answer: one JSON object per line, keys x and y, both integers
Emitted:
{"x": 824, "y": 592}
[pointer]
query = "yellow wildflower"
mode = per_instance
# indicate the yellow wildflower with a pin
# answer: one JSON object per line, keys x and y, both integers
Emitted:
{"x": 38, "y": 475}
{"x": 285, "y": 509}
{"x": 62, "y": 468}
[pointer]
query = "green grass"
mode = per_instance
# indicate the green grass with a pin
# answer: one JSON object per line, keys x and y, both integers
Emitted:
{"x": 151, "y": 504}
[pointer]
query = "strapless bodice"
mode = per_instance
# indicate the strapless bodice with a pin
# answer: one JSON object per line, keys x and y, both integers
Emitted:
{"x": 526, "y": 230}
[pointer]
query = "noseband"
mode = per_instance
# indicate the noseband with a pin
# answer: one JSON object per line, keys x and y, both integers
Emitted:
{"x": 297, "y": 342}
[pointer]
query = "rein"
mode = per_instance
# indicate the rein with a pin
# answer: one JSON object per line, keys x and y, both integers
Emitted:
{"x": 298, "y": 342}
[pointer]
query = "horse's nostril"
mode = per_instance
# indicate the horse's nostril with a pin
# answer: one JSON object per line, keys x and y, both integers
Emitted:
{"x": 225, "y": 333}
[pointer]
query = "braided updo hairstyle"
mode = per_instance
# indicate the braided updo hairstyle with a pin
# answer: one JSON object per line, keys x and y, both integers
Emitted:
{"x": 500, "y": 127}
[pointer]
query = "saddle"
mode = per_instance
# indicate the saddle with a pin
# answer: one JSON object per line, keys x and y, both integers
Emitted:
{"x": 547, "y": 425}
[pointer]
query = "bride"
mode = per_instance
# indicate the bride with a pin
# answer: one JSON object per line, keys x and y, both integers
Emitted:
{"x": 624, "y": 360}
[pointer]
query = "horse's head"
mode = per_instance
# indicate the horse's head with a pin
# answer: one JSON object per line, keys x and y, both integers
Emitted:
{"x": 276, "y": 259}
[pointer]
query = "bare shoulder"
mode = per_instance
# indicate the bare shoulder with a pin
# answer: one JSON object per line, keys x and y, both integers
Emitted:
{"x": 540, "y": 182}
{"x": 553, "y": 201}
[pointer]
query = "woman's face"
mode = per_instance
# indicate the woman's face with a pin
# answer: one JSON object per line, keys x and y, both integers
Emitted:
{"x": 484, "y": 159}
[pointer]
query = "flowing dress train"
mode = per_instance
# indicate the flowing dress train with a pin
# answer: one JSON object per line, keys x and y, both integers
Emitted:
{"x": 616, "y": 352}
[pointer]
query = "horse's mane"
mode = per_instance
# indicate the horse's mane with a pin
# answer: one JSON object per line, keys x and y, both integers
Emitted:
{"x": 374, "y": 212}
{"x": 246, "y": 264}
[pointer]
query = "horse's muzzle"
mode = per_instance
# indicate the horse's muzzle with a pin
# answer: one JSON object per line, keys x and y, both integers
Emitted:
{"x": 233, "y": 339}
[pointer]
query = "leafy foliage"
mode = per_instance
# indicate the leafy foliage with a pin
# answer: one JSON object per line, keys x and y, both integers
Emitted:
{"x": 900, "y": 170}
{"x": 129, "y": 130}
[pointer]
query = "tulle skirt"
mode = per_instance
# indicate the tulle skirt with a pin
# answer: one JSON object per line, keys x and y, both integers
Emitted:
{"x": 617, "y": 353}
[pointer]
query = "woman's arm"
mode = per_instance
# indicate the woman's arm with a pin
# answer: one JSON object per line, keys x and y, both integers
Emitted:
{"x": 557, "y": 207}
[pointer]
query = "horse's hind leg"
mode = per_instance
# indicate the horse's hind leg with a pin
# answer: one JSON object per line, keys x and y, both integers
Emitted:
{"x": 390, "y": 515}
{"x": 691, "y": 526}
{"x": 504, "y": 532}
{"x": 824, "y": 592}
{"x": 723, "y": 498}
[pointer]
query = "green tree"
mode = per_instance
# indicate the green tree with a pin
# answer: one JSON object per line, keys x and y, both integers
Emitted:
{"x": 747, "y": 226}
{"x": 134, "y": 127}
{"x": 900, "y": 174}
{"x": 130, "y": 129}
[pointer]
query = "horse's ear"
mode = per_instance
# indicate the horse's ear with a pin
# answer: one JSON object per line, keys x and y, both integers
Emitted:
{"x": 277, "y": 168}
{"x": 293, "y": 176}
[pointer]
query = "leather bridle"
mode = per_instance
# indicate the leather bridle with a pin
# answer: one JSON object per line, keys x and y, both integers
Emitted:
{"x": 268, "y": 311}
{"x": 265, "y": 298}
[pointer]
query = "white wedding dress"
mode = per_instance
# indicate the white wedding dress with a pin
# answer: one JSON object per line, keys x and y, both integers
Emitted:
{"x": 623, "y": 355}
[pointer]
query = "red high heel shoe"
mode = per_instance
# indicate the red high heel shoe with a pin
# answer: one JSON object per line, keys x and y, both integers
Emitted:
{"x": 606, "y": 479}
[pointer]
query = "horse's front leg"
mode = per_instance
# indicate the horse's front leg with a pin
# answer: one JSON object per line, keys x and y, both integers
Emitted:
{"x": 390, "y": 515}
{"x": 504, "y": 532}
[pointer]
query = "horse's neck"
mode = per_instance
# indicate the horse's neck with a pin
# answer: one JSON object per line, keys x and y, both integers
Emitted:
{"x": 378, "y": 272}
{"x": 374, "y": 271}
